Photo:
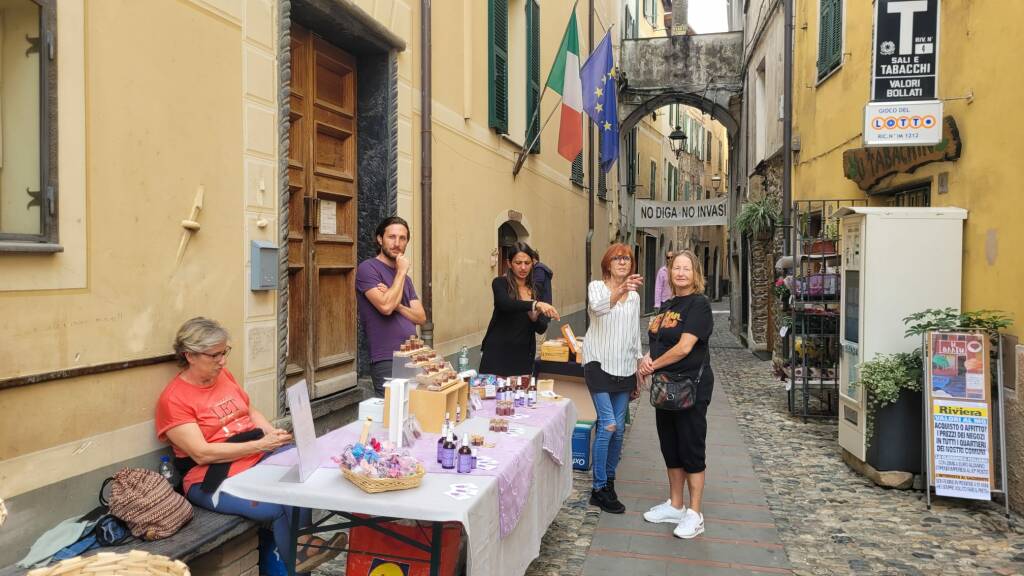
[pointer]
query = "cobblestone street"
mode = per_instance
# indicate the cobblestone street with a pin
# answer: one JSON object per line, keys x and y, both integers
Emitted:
{"x": 798, "y": 509}
{"x": 829, "y": 519}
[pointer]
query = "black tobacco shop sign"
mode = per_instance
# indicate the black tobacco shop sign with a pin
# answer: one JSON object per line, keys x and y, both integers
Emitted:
{"x": 906, "y": 50}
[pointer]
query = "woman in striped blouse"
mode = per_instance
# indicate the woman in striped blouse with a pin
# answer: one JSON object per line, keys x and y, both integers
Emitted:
{"x": 612, "y": 350}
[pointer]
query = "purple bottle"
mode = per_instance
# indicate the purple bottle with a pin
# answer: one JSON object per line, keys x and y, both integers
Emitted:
{"x": 465, "y": 456}
{"x": 448, "y": 451}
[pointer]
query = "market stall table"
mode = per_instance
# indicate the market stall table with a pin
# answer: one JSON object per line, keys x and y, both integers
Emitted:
{"x": 569, "y": 382}
{"x": 496, "y": 545}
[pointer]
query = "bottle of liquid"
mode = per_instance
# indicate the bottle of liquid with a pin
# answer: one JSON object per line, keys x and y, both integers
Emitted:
{"x": 473, "y": 450}
{"x": 165, "y": 469}
{"x": 531, "y": 394}
{"x": 463, "y": 359}
{"x": 465, "y": 456}
{"x": 458, "y": 413}
{"x": 440, "y": 441}
{"x": 448, "y": 451}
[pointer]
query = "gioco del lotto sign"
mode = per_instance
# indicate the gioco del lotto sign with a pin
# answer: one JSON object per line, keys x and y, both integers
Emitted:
{"x": 960, "y": 423}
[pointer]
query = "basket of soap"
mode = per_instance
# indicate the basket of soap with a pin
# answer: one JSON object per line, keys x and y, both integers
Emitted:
{"x": 379, "y": 467}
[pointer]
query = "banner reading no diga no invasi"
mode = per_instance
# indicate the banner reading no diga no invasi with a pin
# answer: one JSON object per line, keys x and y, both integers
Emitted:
{"x": 708, "y": 212}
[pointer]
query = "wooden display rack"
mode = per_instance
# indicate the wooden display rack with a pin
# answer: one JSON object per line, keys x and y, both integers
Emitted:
{"x": 430, "y": 406}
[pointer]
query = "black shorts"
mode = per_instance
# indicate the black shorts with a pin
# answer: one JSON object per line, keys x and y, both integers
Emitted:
{"x": 682, "y": 435}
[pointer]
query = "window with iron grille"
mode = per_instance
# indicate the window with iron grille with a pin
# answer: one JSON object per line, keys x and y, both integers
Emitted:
{"x": 28, "y": 140}
{"x": 497, "y": 65}
{"x": 830, "y": 36}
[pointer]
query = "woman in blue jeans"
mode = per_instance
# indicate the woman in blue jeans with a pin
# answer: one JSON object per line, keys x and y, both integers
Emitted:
{"x": 611, "y": 351}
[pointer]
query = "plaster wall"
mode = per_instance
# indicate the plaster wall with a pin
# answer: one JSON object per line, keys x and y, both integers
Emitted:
{"x": 828, "y": 116}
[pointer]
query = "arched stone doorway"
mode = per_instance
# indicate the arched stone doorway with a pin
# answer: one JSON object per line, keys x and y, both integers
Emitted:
{"x": 509, "y": 232}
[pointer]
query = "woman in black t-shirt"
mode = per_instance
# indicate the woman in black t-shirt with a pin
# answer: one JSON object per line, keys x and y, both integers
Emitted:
{"x": 679, "y": 337}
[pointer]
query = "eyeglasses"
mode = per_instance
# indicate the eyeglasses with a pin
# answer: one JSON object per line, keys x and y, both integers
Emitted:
{"x": 218, "y": 355}
{"x": 621, "y": 258}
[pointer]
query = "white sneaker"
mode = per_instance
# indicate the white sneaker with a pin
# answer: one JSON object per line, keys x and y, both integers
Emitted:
{"x": 665, "y": 512}
{"x": 691, "y": 525}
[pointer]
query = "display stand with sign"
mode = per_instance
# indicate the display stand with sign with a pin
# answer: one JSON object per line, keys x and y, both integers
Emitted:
{"x": 964, "y": 417}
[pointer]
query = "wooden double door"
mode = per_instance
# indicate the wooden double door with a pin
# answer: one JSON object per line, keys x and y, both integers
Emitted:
{"x": 322, "y": 227}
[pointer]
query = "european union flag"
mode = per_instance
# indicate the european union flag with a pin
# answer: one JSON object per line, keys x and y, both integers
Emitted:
{"x": 599, "y": 87}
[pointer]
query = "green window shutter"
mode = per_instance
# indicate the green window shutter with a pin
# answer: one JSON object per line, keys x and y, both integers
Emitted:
{"x": 836, "y": 38}
{"x": 533, "y": 73}
{"x": 576, "y": 176}
{"x": 497, "y": 65}
{"x": 830, "y": 36}
{"x": 602, "y": 184}
{"x": 686, "y": 190}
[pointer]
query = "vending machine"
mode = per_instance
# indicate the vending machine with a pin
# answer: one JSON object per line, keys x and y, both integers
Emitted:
{"x": 895, "y": 262}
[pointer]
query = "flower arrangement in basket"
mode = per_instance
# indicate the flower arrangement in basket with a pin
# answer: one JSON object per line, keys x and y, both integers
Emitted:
{"x": 376, "y": 467}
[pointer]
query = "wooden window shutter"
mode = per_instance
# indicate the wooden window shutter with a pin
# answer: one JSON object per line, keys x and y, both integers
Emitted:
{"x": 533, "y": 74}
{"x": 576, "y": 176}
{"x": 497, "y": 65}
{"x": 830, "y": 36}
{"x": 836, "y": 36}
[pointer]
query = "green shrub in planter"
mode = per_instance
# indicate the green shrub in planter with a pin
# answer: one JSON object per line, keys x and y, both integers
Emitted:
{"x": 759, "y": 217}
{"x": 884, "y": 377}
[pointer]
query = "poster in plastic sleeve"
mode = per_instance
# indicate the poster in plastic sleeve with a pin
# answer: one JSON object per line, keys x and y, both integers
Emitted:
{"x": 957, "y": 364}
{"x": 961, "y": 449}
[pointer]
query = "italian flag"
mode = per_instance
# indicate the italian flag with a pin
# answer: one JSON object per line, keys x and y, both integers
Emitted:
{"x": 565, "y": 79}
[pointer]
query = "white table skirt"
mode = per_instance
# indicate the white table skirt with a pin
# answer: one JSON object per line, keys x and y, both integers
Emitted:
{"x": 488, "y": 554}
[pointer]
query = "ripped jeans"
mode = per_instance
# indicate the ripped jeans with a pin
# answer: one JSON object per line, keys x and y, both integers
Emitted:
{"x": 611, "y": 409}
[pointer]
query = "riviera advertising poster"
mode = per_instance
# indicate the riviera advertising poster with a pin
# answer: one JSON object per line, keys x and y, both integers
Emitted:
{"x": 960, "y": 419}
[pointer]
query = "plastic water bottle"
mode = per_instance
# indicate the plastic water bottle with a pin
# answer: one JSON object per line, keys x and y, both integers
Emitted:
{"x": 165, "y": 470}
{"x": 464, "y": 359}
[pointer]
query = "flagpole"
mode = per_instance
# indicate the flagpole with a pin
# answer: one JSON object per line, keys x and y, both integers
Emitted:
{"x": 522, "y": 154}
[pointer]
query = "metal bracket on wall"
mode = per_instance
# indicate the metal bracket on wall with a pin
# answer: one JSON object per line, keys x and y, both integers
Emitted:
{"x": 190, "y": 225}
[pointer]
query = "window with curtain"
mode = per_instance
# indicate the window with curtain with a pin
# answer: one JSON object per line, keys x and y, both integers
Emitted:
{"x": 28, "y": 122}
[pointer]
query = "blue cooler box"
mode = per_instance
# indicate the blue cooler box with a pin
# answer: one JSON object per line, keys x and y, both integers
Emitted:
{"x": 581, "y": 439}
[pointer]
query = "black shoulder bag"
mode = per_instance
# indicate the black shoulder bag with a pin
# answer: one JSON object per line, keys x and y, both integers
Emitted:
{"x": 675, "y": 391}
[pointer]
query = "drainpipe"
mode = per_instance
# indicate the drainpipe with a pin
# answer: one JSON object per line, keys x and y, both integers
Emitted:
{"x": 787, "y": 129}
{"x": 426, "y": 175}
{"x": 590, "y": 173}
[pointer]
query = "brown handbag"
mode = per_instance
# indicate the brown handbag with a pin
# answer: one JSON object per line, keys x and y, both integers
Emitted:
{"x": 147, "y": 503}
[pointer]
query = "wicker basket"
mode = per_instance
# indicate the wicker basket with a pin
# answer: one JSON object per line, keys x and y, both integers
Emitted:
{"x": 374, "y": 485}
{"x": 3, "y": 512}
{"x": 134, "y": 563}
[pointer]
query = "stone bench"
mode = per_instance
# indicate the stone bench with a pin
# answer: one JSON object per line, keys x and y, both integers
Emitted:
{"x": 211, "y": 544}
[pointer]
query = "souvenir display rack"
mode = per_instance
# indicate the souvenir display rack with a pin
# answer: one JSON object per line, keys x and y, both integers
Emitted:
{"x": 813, "y": 336}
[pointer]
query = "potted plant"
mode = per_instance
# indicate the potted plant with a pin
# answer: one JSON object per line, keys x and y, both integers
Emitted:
{"x": 759, "y": 217}
{"x": 892, "y": 383}
{"x": 826, "y": 245}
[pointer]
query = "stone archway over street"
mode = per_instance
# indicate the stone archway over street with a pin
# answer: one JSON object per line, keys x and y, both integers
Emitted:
{"x": 699, "y": 70}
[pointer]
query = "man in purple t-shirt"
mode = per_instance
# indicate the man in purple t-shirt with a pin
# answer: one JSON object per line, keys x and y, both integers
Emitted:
{"x": 388, "y": 304}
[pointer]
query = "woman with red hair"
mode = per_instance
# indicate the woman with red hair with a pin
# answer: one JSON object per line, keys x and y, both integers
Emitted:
{"x": 611, "y": 350}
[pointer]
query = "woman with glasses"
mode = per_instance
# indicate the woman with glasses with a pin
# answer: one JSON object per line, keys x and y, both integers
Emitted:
{"x": 216, "y": 433}
{"x": 612, "y": 351}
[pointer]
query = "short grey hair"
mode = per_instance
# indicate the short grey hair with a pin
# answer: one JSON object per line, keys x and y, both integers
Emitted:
{"x": 198, "y": 335}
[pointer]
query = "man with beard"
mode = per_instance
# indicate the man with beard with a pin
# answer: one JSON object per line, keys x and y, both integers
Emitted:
{"x": 388, "y": 304}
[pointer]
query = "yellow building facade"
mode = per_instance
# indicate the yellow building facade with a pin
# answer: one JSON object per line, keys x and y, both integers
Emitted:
{"x": 180, "y": 116}
{"x": 830, "y": 91}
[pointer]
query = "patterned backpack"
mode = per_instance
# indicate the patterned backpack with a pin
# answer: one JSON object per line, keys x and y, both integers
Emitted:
{"x": 145, "y": 501}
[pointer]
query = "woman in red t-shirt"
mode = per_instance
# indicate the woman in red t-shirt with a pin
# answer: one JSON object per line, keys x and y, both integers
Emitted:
{"x": 216, "y": 433}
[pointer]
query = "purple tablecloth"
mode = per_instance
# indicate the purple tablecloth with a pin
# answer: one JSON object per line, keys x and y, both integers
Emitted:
{"x": 548, "y": 416}
{"x": 514, "y": 458}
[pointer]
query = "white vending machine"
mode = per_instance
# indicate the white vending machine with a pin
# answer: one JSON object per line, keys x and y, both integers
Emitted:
{"x": 895, "y": 262}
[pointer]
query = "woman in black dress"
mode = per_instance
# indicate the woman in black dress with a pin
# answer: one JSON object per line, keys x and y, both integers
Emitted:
{"x": 679, "y": 337}
{"x": 510, "y": 344}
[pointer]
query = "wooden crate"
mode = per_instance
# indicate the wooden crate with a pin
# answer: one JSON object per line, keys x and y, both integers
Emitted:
{"x": 430, "y": 406}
